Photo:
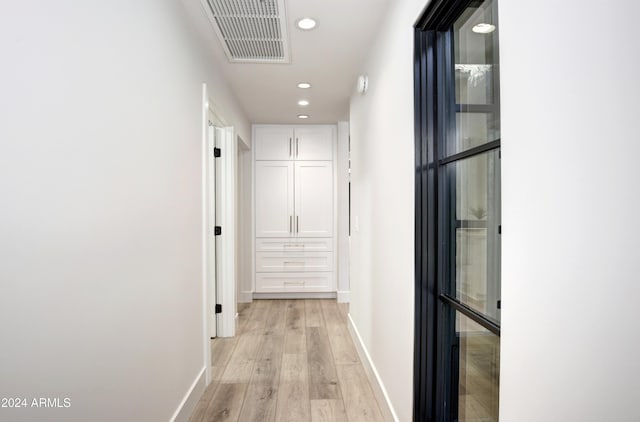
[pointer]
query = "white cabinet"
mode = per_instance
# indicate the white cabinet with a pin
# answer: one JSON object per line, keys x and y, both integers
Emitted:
{"x": 294, "y": 143}
{"x": 311, "y": 143}
{"x": 294, "y": 199}
{"x": 274, "y": 198}
{"x": 294, "y": 208}
{"x": 314, "y": 198}
{"x": 273, "y": 143}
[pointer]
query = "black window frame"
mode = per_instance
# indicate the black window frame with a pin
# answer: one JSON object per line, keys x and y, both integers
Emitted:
{"x": 435, "y": 387}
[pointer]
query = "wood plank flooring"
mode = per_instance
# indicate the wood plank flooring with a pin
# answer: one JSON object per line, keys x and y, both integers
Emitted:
{"x": 291, "y": 361}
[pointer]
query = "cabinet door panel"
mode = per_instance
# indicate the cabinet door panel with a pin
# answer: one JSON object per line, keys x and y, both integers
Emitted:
{"x": 274, "y": 143}
{"x": 274, "y": 198}
{"x": 314, "y": 143}
{"x": 314, "y": 199}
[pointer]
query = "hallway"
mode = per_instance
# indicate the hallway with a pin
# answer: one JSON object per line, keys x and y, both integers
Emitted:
{"x": 292, "y": 360}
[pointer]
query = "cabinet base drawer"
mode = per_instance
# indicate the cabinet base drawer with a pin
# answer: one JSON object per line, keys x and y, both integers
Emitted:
{"x": 293, "y": 261}
{"x": 294, "y": 245}
{"x": 294, "y": 282}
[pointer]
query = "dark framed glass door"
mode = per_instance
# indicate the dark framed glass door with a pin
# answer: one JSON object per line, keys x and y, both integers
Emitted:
{"x": 458, "y": 221}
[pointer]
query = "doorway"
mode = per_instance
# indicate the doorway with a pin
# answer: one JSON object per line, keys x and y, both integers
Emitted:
{"x": 219, "y": 228}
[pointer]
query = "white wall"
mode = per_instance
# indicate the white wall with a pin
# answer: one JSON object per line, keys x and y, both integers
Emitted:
{"x": 342, "y": 180}
{"x": 570, "y": 202}
{"x": 100, "y": 216}
{"x": 570, "y": 206}
{"x": 382, "y": 214}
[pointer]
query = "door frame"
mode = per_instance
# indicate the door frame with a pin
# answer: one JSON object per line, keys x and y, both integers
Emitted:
{"x": 218, "y": 256}
{"x": 435, "y": 383}
{"x": 208, "y": 282}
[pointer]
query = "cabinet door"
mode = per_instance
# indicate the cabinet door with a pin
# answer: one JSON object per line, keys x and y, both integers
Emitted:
{"x": 274, "y": 198}
{"x": 314, "y": 143}
{"x": 274, "y": 143}
{"x": 314, "y": 199}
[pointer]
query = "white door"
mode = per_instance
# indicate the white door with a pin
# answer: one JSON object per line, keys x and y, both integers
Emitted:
{"x": 313, "y": 143}
{"x": 314, "y": 199}
{"x": 274, "y": 198}
{"x": 274, "y": 143}
{"x": 225, "y": 242}
{"x": 211, "y": 237}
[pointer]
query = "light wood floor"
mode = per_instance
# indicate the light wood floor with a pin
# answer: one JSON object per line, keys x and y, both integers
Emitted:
{"x": 291, "y": 360}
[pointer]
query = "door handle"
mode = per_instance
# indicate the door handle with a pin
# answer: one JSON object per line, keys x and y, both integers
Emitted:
{"x": 297, "y": 147}
{"x": 290, "y": 142}
{"x": 297, "y": 224}
{"x": 290, "y": 224}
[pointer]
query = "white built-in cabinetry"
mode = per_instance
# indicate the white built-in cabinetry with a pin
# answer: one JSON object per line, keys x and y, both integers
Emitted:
{"x": 294, "y": 208}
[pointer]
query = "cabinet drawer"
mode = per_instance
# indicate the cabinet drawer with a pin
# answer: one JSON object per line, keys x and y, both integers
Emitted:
{"x": 294, "y": 282}
{"x": 293, "y": 261}
{"x": 294, "y": 245}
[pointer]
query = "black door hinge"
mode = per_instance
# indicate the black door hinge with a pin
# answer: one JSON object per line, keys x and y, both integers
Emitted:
{"x": 500, "y": 229}
{"x": 217, "y": 230}
{"x": 217, "y": 152}
{"x": 499, "y": 304}
{"x": 218, "y": 308}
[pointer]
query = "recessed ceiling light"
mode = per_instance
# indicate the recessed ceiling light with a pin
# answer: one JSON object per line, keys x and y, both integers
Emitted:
{"x": 304, "y": 85}
{"x": 303, "y": 102}
{"x": 303, "y": 116}
{"x": 483, "y": 28}
{"x": 307, "y": 24}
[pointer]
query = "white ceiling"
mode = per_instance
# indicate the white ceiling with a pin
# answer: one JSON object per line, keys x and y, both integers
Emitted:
{"x": 330, "y": 57}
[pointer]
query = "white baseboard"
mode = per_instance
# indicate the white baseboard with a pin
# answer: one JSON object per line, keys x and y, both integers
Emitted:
{"x": 245, "y": 297}
{"x": 372, "y": 374}
{"x": 306, "y": 295}
{"x": 188, "y": 403}
{"x": 343, "y": 296}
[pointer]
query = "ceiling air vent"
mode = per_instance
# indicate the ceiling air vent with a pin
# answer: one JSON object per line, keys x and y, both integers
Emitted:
{"x": 251, "y": 31}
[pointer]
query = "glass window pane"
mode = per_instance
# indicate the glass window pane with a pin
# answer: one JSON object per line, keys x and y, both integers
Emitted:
{"x": 476, "y": 67}
{"x": 474, "y": 211}
{"x": 478, "y": 372}
{"x": 474, "y": 129}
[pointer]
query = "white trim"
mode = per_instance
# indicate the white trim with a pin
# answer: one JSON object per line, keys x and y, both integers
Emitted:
{"x": 245, "y": 297}
{"x": 190, "y": 400}
{"x": 226, "y": 280}
{"x": 342, "y": 232}
{"x": 218, "y": 119}
{"x": 252, "y": 265}
{"x": 379, "y": 391}
{"x": 334, "y": 163}
{"x": 302, "y": 295}
{"x": 206, "y": 353}
{"x": 343, "y": 296}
